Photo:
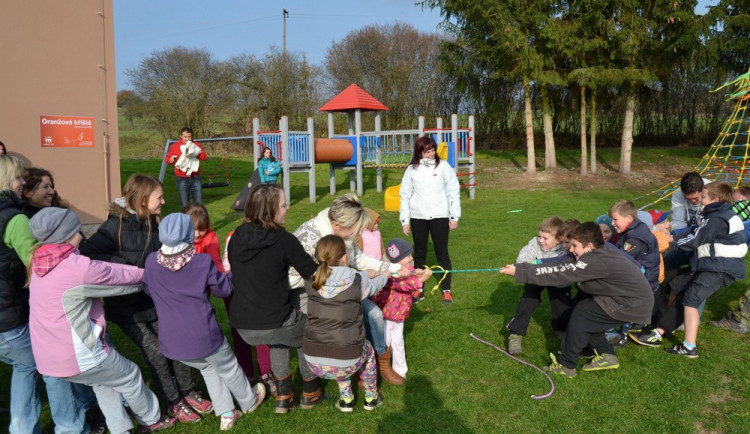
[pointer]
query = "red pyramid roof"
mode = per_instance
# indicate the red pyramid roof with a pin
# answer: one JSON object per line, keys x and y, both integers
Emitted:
{"x": 353, "y": 97}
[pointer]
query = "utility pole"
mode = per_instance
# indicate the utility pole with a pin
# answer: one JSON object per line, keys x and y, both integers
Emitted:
{"x": 285, "y": 15}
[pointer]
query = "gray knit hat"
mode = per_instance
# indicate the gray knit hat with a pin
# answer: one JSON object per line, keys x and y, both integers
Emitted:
{"x": 176, "y": 228}
{"x": 52, "y": 225}
{"x": 397, "y": 249}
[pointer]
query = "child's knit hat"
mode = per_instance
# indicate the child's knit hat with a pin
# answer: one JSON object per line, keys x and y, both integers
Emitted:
{"x": 176, "y": 229}
{"x": 397, "y": 249}
{"x": 604, "y": 219}
{"x": 52, "y": 225}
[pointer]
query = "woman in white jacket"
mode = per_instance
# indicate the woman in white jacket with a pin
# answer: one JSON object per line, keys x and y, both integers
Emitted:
{"x": 430, "y": 206}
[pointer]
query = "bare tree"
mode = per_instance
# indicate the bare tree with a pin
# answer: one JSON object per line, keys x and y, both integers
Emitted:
{"x": 182, "y": 87}
{"x": 399, "y": 66}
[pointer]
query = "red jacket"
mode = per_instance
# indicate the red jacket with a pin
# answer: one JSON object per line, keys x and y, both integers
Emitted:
{"x": 210, "y": 244}
{"x": 174, "y": 151}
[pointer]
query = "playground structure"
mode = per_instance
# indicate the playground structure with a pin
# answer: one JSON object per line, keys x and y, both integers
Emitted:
{"x": 727, "y": 158}
{"x": 357, "y": 151}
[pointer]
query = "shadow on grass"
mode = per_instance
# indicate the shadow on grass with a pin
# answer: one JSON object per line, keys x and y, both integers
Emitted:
{"x": 423, "y": 408}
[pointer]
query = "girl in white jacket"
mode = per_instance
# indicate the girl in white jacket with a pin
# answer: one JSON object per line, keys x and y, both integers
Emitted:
{"x": 430, "y": 206}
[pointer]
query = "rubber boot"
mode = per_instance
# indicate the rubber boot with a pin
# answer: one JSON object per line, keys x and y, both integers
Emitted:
{"x": 311, "y": 394}
{"x": 384, "y": 367}
{"x": 285, "y": 395}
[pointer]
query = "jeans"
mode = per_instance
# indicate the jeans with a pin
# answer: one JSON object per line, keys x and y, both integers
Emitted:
{"x": 289, "y": 335}
{"x": 188, "y": 188}
{"x": 25, "y": 404}
{"x": 374, "y": 325}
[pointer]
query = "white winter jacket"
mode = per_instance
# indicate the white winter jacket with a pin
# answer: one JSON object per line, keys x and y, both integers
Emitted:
{"x": 430, "y": 192}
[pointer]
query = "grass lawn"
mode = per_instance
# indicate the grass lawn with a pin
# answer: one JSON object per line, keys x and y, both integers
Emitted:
{"x": 456, "y": 384}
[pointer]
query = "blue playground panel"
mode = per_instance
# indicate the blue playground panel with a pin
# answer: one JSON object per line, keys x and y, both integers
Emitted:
{"x": 298, "y": 146}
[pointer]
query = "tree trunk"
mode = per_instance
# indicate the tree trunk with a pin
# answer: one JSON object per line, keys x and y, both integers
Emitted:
{"x": 550, "y": 159}
{"x": 584, "y": 159}
{"x": 531, "y": 163}
{"x": 592, "y": 128}
{"x": 626, "y": 142}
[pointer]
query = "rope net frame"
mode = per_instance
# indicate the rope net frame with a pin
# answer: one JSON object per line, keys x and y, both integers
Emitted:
{"x": 727, "y": 158}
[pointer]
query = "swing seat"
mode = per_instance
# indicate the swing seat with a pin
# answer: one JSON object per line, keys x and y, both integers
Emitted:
{"x": 211, "y": 184}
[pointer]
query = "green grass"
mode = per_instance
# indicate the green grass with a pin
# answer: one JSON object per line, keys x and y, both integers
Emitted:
{"x": 456, "y": 384}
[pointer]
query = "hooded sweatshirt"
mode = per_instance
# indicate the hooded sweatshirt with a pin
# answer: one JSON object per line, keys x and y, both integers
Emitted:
{"x": 177, "y": 283}
{"x": 260, "y": 262}
{"x": 67, "y": 324}
{"x": 617, "y": 285}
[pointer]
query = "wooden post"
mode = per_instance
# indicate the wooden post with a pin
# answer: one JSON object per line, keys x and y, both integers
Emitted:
{"x": 311, "y": 159}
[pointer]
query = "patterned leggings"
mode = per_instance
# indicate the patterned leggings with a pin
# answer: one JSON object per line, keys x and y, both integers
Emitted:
{"x": 368, "y": 373}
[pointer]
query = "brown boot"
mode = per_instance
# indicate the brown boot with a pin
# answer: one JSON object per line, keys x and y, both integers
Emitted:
{"x": 384, "y": 367}
{"x": 285, "y": 395}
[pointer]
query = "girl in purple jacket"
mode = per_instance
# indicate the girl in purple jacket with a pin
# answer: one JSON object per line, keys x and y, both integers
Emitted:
{"x": 179, "y": 281}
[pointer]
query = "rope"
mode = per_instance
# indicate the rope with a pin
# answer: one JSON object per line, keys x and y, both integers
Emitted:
{"x": 440, "y": 270}
{"x": 552, "y": 383}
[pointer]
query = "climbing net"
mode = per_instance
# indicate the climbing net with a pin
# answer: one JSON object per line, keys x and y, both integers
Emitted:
{"x": 727, "y": 158}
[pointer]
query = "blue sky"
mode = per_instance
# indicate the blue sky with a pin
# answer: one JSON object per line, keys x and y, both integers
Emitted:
{"x": 231, "y": 27}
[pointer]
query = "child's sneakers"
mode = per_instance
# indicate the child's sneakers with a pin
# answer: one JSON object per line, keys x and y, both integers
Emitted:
{"x": 729, "y": 323}
{"x": 345, "y": 405}
{"x": 163, "y": 423}
{"x": 260, "y": 394}
{"x": 198, "y": 403}
{"x": 417, "y": 296}
{"x": 682, "y": 350}
{"x": 183, "y": 413}
{"x": 649, "y": 338}
{"x": 447, "y": 297}
{"x": 559, "y": 369}
{"x": 372, "y": 404}
{"x": 601, "y": 362}
{"x": 227, "y": 422}
{"x": 514, "y": 344}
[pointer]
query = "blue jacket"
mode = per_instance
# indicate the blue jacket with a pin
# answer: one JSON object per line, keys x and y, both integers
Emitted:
{"x": 273, "y": 168}
{"x": 641, "y": 244}
{"x": 718, "y": 244}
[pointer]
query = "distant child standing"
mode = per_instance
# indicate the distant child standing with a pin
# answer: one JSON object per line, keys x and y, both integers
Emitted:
{"x": 179, "y": 280}
{"x": 128, "y": 236}
{"x": 396, "y": 300}
{"x": 718, "y": 249}
{"x": 544, "y": 245}
{"x": 334, "y": 340}
{"x": 269, "y": 168}
{"x": 68, "y": 327}
{"x": 186, "y": 156}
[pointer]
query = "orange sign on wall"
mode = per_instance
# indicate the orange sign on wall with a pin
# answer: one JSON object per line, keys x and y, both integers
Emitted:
{"x": 67, "y": 132}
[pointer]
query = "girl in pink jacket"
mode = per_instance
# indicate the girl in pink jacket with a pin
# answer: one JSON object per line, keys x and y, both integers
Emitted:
{"x": 395, "y": 300}
{"x": 67, "y": 324}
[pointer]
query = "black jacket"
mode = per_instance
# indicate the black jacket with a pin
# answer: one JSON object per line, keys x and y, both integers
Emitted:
{"x": 641, "y": 244}
{"x": 719, "y": 243}
{"x": 125, "y": 239}
{"x": 617, "y": 285}
{"x": 14, "y": 297}
{"x": 260, "y": 262}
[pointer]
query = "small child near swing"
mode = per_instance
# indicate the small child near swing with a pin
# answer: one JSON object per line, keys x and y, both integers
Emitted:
{"x": 396, "y": 301}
